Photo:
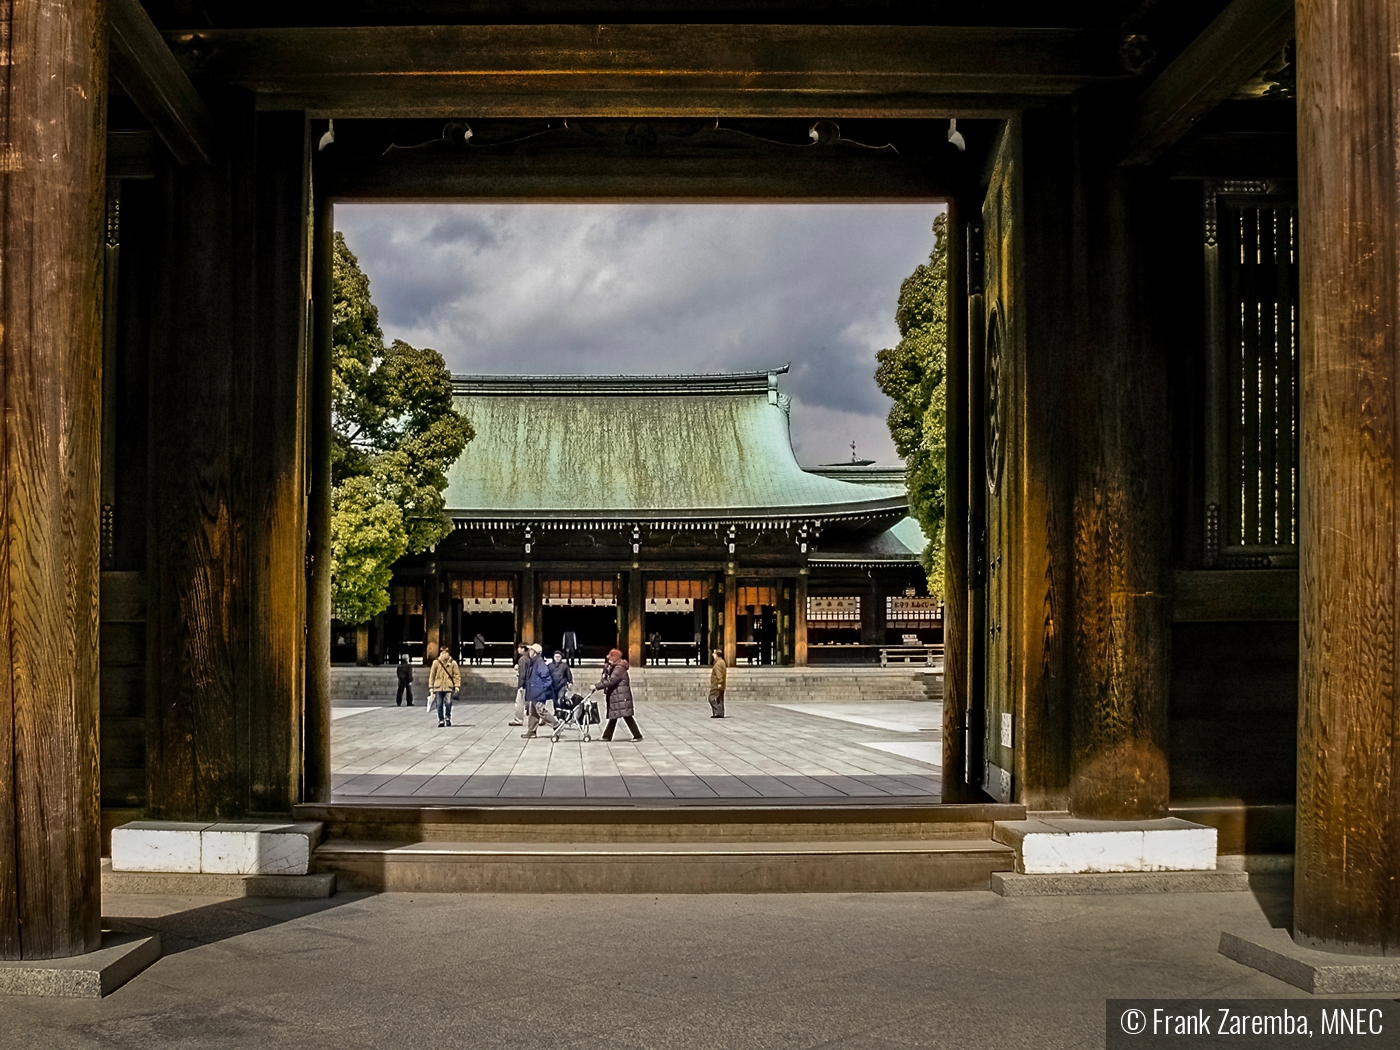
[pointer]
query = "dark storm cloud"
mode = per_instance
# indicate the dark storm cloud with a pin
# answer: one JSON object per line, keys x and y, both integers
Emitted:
{"x": 657, "y": 288}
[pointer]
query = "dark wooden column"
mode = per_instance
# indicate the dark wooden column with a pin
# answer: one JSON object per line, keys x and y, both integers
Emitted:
{"x": 316, "y": 723}
{"x": 1121, "y": 574}
{"x": 52, "y": 114}
{"x": 279, "y": 354}
{"x": 432, "y": 615}
{"x": 955, "y": 591}
{"x": 227, "y": 474}
{"x": 529, "y": 606}
{"x": 635, "y": 593}
{"x": 799, "y": 619}
{"x": 1346, "y": 894}
{"x": 731, "y": 620}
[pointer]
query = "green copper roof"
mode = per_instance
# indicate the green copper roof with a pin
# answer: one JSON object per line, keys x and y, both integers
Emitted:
{"x": 713, "y": 446}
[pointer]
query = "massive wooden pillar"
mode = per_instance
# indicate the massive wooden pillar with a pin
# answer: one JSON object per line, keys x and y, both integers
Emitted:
{"x": 529, "y": 606}
{"x": 1121, "y": 570}
{"x": 52, "y": 136}
{"x": 634, "y": 592}
{"x": 731, "y": 620}
{"x": 955, "y": 590}
{"x": 1346, "y": 893}
{"x": 432, "y": 616}
{"x": 227, "y": 475}
{"x": 316, "y": 723}
{"x": 799, "y": 619}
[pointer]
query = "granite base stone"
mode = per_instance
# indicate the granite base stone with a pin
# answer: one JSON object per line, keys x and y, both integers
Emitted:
{"x": 215, "y": 848}
{"x": 200, "y": 884}
{"x": 91, "y": 976}
{"x": 1321, "y": 973}
{"x": 1060, "y": 845}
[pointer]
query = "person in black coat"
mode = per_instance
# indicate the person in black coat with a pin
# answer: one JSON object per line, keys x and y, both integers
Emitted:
{"x": 617, "y": 687}
{"x": 405, "y": 673}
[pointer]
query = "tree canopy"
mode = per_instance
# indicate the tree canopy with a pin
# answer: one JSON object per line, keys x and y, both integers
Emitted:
{"x": 395, "y": 433}
{"x": 912, "y": 373}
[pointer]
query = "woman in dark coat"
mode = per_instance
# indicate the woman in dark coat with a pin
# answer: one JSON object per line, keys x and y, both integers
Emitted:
{"x": 617, "y": 687}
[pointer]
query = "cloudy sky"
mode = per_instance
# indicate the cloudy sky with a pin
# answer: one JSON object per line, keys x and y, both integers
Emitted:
{"x": 651, "y": 288}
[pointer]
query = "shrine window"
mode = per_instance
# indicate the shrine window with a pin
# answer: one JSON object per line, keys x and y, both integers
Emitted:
{"x": 1251, "y": 484}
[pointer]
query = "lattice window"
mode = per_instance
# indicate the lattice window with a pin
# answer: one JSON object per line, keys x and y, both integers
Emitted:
{"x": 1252, "y": 411}
{"x": 579, "y": 592}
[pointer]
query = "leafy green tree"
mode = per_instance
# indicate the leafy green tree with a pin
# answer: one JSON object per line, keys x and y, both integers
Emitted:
{"x": 913, "y": 374}
{"x": 395, "y": 433}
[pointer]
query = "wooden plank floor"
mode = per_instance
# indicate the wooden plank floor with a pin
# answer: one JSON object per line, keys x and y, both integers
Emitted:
{"x": 874, "y": 750}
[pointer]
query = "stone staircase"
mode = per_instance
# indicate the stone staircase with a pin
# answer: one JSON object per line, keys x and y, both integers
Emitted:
{"x": 587, "y": 848}
{"x": 654, "y": 684}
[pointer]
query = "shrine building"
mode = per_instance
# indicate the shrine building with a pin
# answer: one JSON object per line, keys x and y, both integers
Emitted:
{"x": 664, "y": 516}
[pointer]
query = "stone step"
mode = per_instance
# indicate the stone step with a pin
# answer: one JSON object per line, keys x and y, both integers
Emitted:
{"x": 1010, "y": 884}
{"x": 659, "y": 824}
{"x": 694, "y": 867}
{"x": 198, "y": 884}
{"x": 1058, "y": 844}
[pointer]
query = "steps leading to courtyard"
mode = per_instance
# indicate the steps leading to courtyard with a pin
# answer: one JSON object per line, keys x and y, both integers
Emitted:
{"x": 655, "y": 684}
{"x": 661, "y": 849}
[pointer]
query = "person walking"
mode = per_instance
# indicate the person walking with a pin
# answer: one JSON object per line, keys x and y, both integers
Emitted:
{"x": 528, "y": 656}
{"x": 539, "y": 692}
{"x": 719, "y": 675}
{"x": 405, "y": 673}
{"x": 478, "y": 649}
{"x": 563, "y": 678}
{"x": 617, "y": 687}
{"x": 570, "y": 646}
{"x": 444, "y": 682}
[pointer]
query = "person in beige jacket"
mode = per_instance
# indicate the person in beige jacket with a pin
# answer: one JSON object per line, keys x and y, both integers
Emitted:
{"x": 719, "y": 674}
{"x": 444, "y": 682}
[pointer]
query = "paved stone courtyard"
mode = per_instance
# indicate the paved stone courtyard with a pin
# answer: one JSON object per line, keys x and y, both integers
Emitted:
{"x": 854, "y": 971}
{"x": 760, "y": 750}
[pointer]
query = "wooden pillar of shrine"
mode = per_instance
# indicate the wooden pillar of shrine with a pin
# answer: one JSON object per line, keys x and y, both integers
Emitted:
{"x": 1346, "y": 893}
{"x": 731, "y": 620}
{"x": 316, "y": 777}
{"x": 52, "y": 134}
{"x": 1120, "y": 541}
{"x": 955, "y": 593}
{"x": 229, "y": 373}
{"x": 634, "y": 596}
{"x": 799, "y": 619}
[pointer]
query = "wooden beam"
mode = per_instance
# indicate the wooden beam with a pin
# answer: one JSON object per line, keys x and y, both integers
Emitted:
{"x": 52, "y": 199}
{"x": 154, "y": 81}
{"x": 1346, "y": 894}
{"x": 647, "y": 70}
{"x": 1210, "y": 70}
{"x": 812, "y": 176}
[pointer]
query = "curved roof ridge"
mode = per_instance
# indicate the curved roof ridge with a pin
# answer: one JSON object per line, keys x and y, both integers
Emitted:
{"x": 619, "y": 384}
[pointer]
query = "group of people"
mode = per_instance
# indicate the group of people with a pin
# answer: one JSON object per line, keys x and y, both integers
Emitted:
{"x": 541, "y": 683}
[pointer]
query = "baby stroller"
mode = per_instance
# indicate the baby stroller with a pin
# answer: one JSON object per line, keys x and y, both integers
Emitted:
{"x": 576, "y": 712}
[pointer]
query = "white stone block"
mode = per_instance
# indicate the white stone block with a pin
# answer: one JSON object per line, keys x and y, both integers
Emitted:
{"x": 1063, "y": 845}
{"x": 1179, "y": 849}
{"x": 259, "y": 849}
{"x": 157, "y": 845}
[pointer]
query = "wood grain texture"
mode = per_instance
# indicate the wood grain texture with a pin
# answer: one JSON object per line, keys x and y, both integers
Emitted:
{"x": 1121, "y": 587}
{"x": 1041, "y": 464}
{"x": 226, "y": 625}
{"x": 637, "y": 69}
{"x": 955, "y": 647}
{"x": 198, "y": 555}
{"x": 1347, "y": 897}
{"x": 316, "y": 721}
{"x": 280, "y": 357}
{"x": 154, "y": 81}
{"x": 53, "y": 69}
{"x": 1231, "y": 50}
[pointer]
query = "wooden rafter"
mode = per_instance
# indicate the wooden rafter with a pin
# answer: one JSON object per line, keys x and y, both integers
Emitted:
{"x": 149, "y": 74}
{"x": 1210, "y": 70}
